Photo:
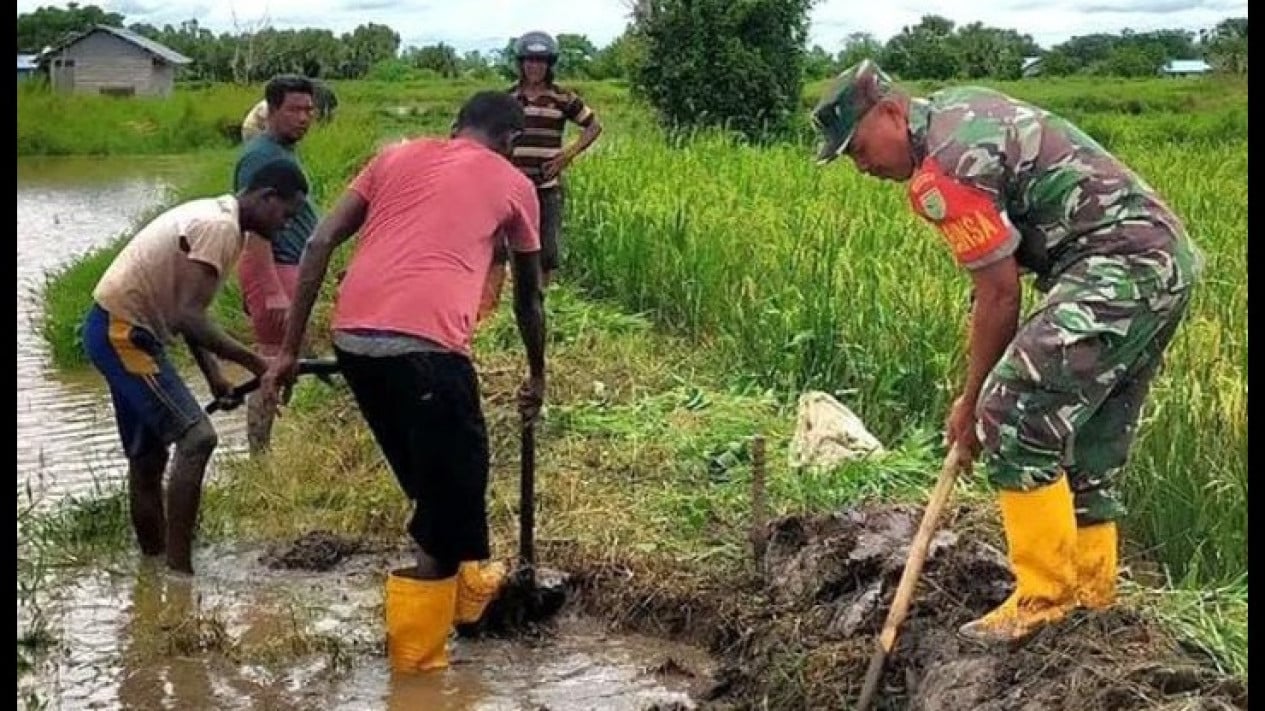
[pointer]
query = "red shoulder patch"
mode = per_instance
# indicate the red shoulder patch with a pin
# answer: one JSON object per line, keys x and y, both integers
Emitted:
{"x": 966, "y": 216}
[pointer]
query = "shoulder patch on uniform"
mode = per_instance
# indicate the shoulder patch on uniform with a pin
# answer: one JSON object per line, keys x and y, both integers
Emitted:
{"x": 925, "y": 192}
{"x": 966, "y": 216}
{"x": 932, "y": 201}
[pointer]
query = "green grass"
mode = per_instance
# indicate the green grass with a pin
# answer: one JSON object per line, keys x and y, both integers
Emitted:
{"x": 805, "y": 277}
{"x": 776, "y": 276}
{"x": 644, "y": 454}
{"x": 54, "y": 124}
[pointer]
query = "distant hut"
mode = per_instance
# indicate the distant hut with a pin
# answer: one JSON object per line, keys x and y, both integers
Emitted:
{"x": 26, "y": 66}
{"x": 113, "y": 61}
{"x": 1032, "y": 66}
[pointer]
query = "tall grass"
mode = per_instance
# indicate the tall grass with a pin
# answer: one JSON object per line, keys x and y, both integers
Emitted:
{"x": 800, "y": 277}
{"x": 811, "y": 278}
{"x": 58, "y": 124}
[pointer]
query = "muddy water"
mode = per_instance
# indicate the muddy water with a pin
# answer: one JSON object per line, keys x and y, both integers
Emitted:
{"x": 239, "y": 634}
{"x": 67, "y": 442}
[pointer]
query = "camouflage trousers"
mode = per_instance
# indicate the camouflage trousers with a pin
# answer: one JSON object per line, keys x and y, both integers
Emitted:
{"x": 1067, "y": 393}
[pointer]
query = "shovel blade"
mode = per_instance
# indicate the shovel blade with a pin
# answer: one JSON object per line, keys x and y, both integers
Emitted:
{"x": 530, "y": 598}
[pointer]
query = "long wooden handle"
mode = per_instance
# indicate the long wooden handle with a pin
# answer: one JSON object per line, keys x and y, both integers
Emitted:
{"x": 909, "y": 578}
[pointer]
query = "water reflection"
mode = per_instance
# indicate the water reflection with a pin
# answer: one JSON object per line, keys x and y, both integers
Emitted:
{"x": 67, "y": 441}
{"x": 237, "y": 635}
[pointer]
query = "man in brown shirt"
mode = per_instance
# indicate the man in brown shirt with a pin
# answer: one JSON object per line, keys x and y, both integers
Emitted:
{"x": 539, "y": 152}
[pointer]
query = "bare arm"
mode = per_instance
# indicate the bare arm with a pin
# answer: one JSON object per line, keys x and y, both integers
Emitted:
{"x": 206, "y": 363}
{"x": 586, "y": 139}
{"x": 529, "y": 310}
{"x": 994, "y": 320}
{"x": 338, "y": 226}
{"x": 198, "y": 282}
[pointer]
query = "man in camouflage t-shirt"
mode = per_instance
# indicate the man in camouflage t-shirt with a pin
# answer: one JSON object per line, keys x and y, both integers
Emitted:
{"x": 1014, "y": 189}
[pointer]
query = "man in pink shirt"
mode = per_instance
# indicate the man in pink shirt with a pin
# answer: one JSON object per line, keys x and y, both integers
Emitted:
{"x": 428, "y": 212}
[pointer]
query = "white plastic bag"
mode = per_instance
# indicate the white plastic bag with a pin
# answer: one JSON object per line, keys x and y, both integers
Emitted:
{"x": 827, "y": 433}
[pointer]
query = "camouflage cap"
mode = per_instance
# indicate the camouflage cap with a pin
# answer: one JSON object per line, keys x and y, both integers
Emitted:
{"x": 856, "y": 90}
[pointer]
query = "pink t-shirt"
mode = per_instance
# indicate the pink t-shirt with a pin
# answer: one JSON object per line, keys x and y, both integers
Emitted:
{"x": 434, "y": 209}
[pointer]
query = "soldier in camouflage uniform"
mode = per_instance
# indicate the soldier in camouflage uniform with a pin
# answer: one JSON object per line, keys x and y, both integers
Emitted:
{"x": 1051, "y": 404}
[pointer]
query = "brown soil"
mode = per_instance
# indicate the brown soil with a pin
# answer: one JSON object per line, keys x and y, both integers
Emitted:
{"x": 800, "y": 632}
{"x": 527, "y": 602}
{"x": 318, "y": 551}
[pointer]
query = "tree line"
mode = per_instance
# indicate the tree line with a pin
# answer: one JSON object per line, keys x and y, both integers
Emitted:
{"x": 935, "y": 48}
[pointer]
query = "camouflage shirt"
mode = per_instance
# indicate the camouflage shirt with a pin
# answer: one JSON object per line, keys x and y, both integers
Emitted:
{"x": 998, "y": 177}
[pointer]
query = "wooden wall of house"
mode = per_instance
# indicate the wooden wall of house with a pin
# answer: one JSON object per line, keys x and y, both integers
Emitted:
{"x": 103, "y": 63}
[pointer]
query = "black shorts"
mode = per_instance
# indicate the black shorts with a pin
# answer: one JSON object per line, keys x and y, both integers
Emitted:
{"x": 552, "y": 201}
{"x": 424, "y": 411}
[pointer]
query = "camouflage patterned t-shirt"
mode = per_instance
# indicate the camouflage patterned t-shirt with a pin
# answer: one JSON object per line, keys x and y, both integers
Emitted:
{"x": 998, "y": 177}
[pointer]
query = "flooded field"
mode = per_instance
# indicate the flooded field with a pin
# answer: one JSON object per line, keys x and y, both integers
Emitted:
{"x": 125, "y": 634}
{"x": 241, "y": 635}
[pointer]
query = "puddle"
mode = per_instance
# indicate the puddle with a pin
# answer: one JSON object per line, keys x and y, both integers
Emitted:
{"x": 240, "y": 634}
{"x": 243, "y": 635}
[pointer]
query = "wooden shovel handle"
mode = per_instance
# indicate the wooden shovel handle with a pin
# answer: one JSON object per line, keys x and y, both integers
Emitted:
{"x": 953, "y": 463}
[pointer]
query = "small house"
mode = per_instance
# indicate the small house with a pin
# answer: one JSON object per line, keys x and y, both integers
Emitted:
{"x": 1185, "y": 68}
{"x": 114, "y": 61}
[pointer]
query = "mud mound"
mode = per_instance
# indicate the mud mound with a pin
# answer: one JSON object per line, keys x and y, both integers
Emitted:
{"x": 1111, "y": 660}
{"x": 799, "y": 631}
{"x": 316, "y": 550}
{"x": 830, "y": 581}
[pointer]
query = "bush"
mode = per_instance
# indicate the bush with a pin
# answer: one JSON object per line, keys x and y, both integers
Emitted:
{"x": 736, "y": 64}
{"x": 391, "y": 70}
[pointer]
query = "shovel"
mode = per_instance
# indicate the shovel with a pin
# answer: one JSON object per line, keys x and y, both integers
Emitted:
{"x": 320, "y": 367}
{"x": 530, "y": 595}
{"x": 909, "y": 578}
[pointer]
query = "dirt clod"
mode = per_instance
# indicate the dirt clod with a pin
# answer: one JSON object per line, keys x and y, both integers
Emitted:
{"x": 843, "y": 569}
{"x": 316, "y": 550}
{"x": 670, "y": 667}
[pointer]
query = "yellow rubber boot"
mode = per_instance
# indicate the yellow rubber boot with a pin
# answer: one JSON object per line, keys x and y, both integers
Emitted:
{"x": 1040, "y": 530}
{"x": 419, "y": 615}
{"x": 1096, "y": 556}
{"x": 477, "y": 584}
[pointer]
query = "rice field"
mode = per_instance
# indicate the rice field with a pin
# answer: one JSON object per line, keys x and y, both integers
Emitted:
{"x": 799, "y": 277}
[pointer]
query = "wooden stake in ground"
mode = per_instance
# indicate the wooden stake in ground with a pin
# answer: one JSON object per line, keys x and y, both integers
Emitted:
{"x": 953, "y": 463}
{"x": 759, "y": 502}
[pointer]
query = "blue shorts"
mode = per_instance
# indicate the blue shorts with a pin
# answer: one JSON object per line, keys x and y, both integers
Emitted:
{"x": 152, "y": 405}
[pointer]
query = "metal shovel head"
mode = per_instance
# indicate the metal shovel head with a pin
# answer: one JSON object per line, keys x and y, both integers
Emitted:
{"x": 529, "y": 598}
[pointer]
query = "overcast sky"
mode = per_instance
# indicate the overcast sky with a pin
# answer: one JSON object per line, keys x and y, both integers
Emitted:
{"x": 486, "y": 24}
